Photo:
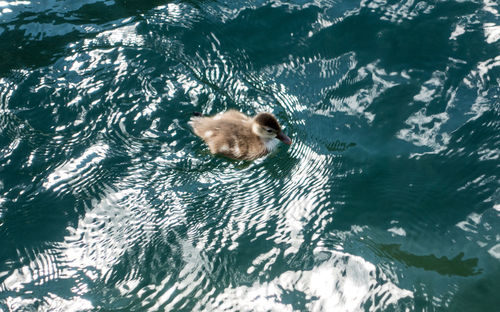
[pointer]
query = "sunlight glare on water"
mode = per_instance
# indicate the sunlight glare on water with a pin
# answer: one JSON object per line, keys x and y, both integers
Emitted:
{"x": 387, "y": 200}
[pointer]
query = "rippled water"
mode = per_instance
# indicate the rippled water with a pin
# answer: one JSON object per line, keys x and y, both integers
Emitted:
{"x": 388, "y": 199}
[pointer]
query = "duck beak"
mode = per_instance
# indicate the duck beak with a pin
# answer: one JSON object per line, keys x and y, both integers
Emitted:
{"x": 284, "y": 138}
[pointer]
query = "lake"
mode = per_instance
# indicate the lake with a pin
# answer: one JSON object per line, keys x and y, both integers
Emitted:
{"x": 387, "y": 200}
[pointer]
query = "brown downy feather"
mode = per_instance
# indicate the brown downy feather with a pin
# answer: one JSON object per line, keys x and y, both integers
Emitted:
{"x": 230, "y": 134}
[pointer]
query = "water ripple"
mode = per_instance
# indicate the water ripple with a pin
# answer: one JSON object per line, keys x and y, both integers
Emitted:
{"x": 108, "y": 201}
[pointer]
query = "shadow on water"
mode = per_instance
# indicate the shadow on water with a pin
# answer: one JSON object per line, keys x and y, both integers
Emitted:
{"x": 457, "y": 266}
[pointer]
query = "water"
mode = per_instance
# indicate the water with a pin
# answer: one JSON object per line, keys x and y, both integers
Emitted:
{"x": 388, "y": 200}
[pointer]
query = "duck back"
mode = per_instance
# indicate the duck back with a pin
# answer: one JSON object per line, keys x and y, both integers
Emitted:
{"x": 229, "y": 134}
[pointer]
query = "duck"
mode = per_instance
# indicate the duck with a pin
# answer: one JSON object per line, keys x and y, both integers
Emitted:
{"x": 237, "y": 136}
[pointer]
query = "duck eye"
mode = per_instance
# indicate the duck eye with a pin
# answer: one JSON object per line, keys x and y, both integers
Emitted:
{"x": 269, "y": 130}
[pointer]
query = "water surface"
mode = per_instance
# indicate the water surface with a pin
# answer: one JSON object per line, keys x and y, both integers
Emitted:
{"x": 388, "y": 200}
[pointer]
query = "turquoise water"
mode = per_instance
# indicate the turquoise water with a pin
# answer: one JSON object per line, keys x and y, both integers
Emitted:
{"x": 388, "y": 200}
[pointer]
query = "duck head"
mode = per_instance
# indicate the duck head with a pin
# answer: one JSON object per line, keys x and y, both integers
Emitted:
{"x": 267, "y": 128}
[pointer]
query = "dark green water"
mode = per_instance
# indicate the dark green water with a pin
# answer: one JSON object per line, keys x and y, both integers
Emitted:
{"x": 388, "y": 200}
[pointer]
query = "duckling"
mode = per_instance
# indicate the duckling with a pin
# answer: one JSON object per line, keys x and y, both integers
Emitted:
{"x": 237, "y": 136}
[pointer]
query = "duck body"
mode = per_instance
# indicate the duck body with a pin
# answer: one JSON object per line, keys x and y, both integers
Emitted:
{"x": 237, "y": 136}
